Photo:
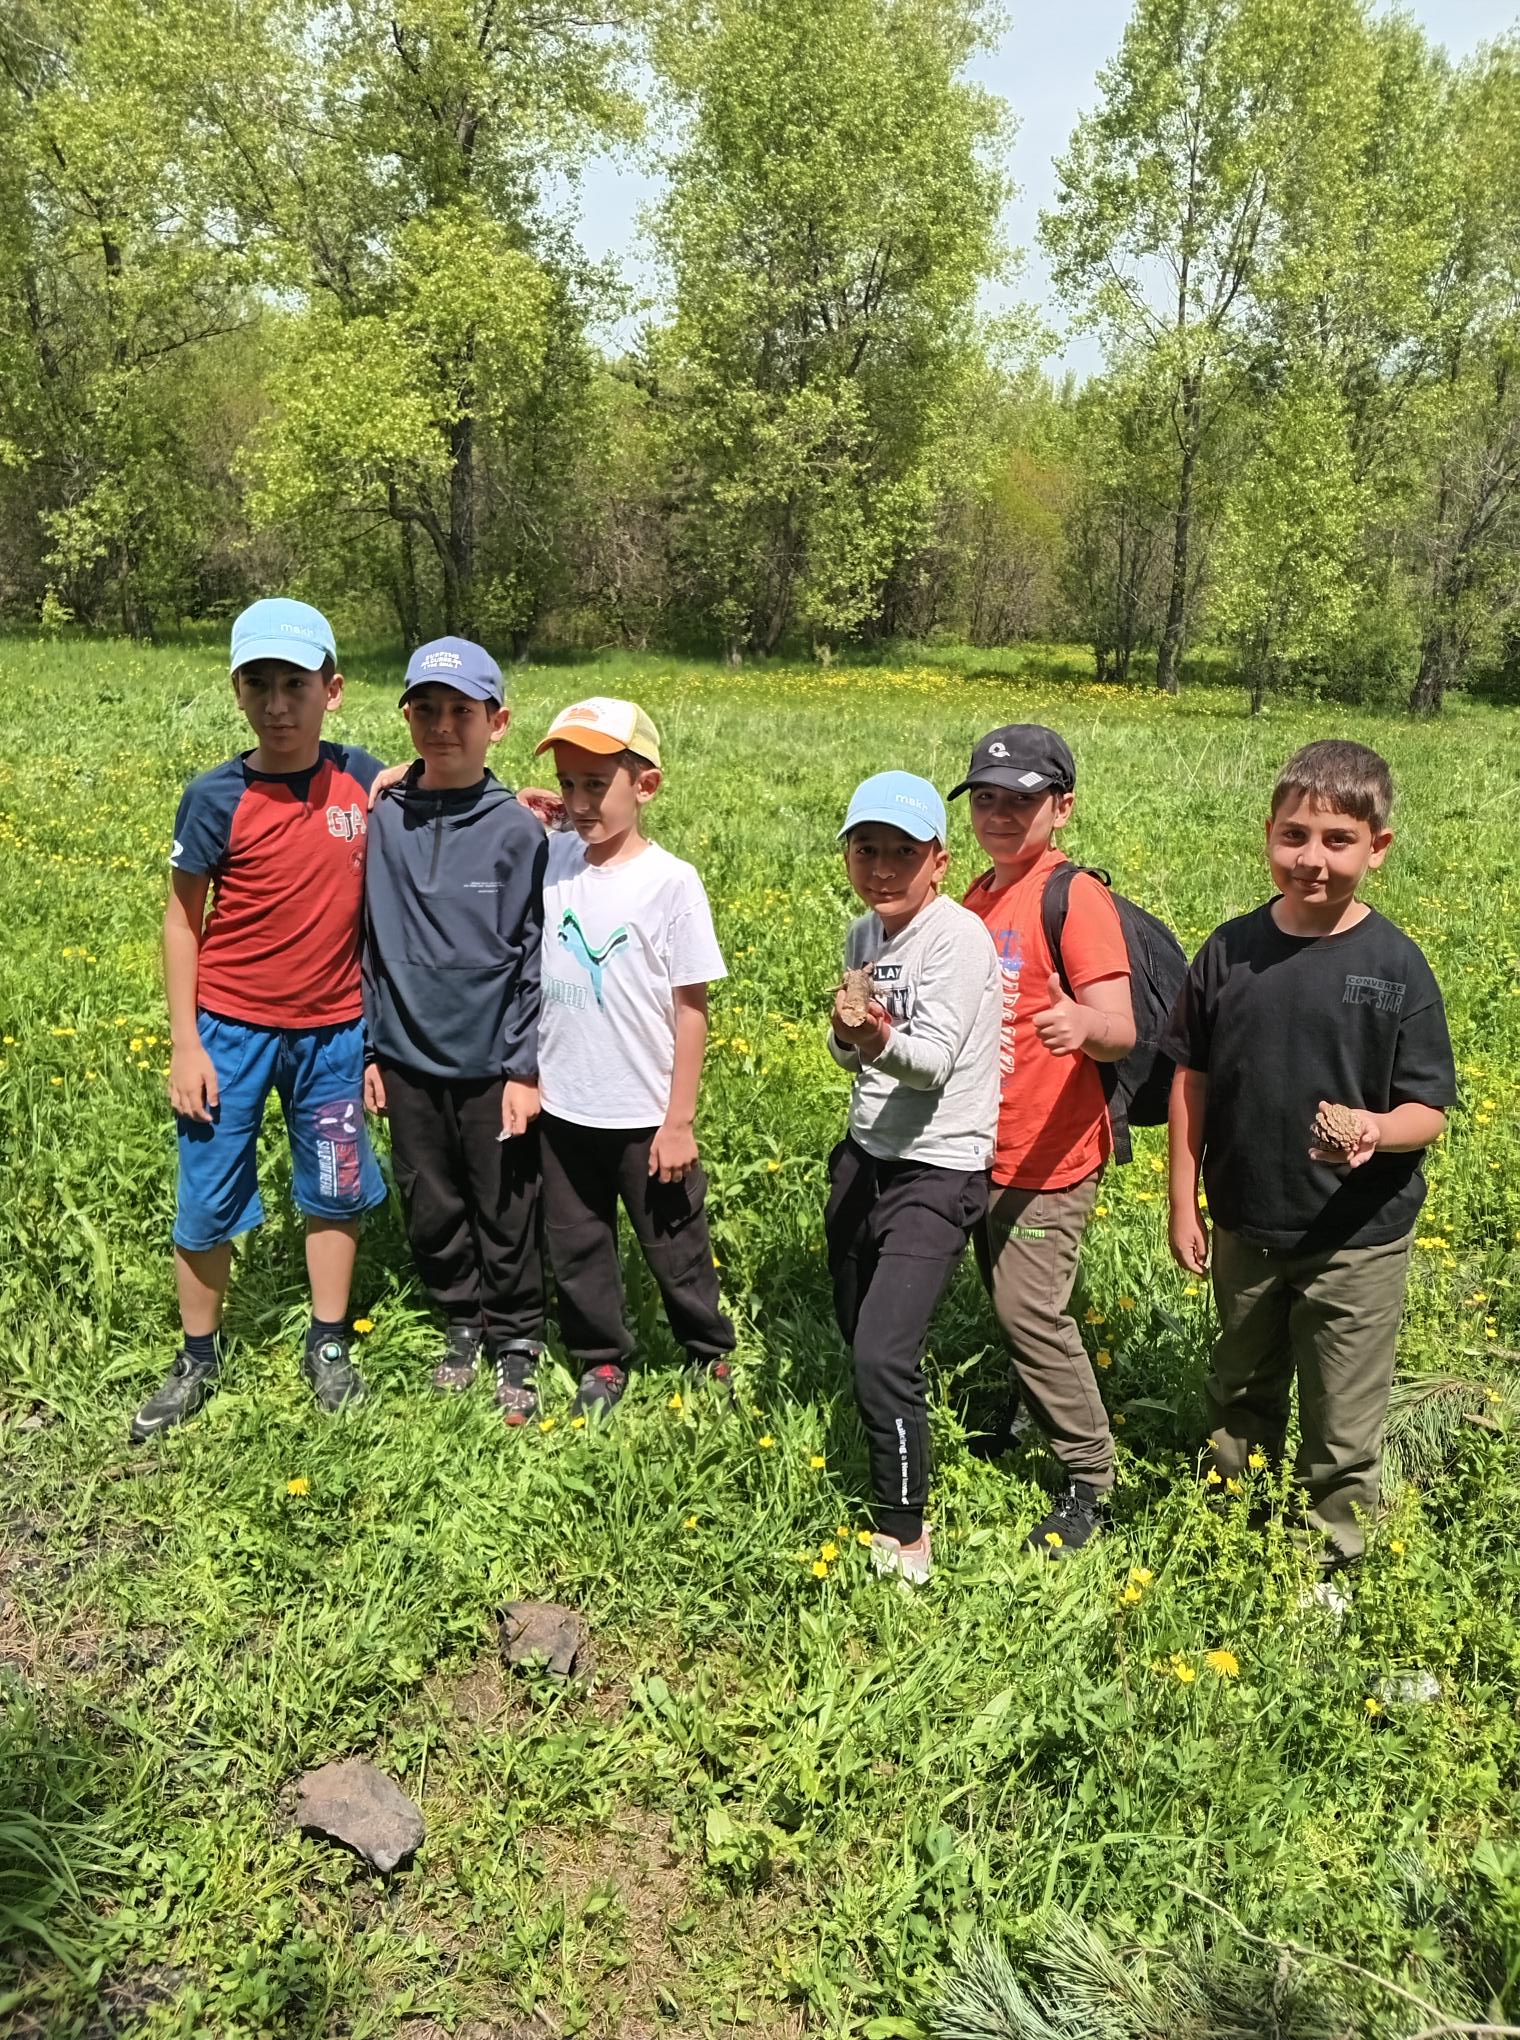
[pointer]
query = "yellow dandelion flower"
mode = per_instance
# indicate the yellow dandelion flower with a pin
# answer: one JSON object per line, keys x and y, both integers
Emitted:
{"x": 1191, "y": 1290}
{"x": 364, "y": 1325}
{"x": 1257, "y": 1461}
{"x": 1372, "y": 1706}
{"x": 300, "y": 1485}
{"x": 829, "y": 1551}
{"x": 820, "y": 1570}
{"x": 1182, "y": 1670}
{"x": 547, "y": 1423}
{"x": 1054, "y": 1539}
{"x": 818, "y": 1462}
{"x": 773, "y": 1167}
{"x": 1224, "y": 1662}
{"x": 1396, "y": 1546}
{"x": 766, "y": 1442}
{"x": 1126, "y": 1303}
{"x": 1213, "y": 1478}
{"x": 1103, "y": 1358}
{"x": 1130, "y": 1596}
{"x": 674, "y": 1402}
{"x": 690, "y": 1523}
{"x": 1093, "y": 1317}
{"x": 862, "y": 1536}
{"x": 1100, "y": 1211}
{"x": 1140, "y": 1576}
{"x": 56, "y": 1080}
{"x": 1234, "y": 1484}
{"x": 842, "y": 1530}
{"x": 134, "y": 1046}
{"x": 577, "y": 1423}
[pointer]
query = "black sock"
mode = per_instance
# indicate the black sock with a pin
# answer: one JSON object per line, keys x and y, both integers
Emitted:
{"x": 902, "y": 1524}
{"x": 204, "y": 1348}
{"x": 321, "y": 1329}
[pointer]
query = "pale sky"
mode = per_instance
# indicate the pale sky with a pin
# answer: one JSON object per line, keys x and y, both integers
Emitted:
{"x": 1045, "y": 68}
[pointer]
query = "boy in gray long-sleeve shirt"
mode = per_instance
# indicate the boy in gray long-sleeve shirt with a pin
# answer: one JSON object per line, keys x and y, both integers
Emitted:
{"x": 909, "y": 1181}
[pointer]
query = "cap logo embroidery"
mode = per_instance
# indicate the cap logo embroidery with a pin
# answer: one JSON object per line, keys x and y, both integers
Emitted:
{"x": 450, "y": 660}
{"x": 997, "y": 750}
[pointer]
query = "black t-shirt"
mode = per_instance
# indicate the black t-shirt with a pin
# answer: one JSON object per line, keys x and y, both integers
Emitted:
{"x": 1279, "y": 1022}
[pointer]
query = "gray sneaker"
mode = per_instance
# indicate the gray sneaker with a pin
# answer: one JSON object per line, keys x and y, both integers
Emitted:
{"x": 455, "y": 1368}
{"x": 189, "y": 1384}
{"x": 335, "y": 1381}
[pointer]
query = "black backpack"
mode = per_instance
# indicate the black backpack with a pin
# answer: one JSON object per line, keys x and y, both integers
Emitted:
{"x": 1139, "y": 1086}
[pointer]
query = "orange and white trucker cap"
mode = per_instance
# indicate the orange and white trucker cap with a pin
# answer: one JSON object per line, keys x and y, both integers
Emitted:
{"x": 603, "y": 723}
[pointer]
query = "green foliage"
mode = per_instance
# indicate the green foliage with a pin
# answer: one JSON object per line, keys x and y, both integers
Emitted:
{"x": 790, "y": 1802}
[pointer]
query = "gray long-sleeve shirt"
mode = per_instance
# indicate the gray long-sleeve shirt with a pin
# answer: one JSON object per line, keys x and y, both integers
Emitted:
{"x": 932, "y": 1093}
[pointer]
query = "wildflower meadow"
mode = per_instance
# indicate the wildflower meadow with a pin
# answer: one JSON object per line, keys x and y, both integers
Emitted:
{"x": 1160, "y": 1788}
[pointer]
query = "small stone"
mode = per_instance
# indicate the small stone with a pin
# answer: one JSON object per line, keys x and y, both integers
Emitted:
{"x": 352, "y": 1802}
{"x": 855, "y": 1005}
{"x": 544, "y": 1633}
{"x": 1337, "y": 1127}
{"x": 1408, "y": 1689}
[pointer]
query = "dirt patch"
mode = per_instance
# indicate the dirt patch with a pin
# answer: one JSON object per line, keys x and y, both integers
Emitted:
{"x": 539, "y": 2027}
{"x": 479, "y": 1697}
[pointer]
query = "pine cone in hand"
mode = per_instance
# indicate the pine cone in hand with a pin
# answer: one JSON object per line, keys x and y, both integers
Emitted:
{"x": 856, "y": 1004}
{"x": 1337, "y": 1127}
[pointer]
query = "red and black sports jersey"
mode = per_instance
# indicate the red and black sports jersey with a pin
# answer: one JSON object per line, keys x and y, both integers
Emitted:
{"x": 285, "y": 854}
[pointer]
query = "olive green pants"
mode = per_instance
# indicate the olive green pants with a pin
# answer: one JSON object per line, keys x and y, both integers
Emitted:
{"x": 1330, "y": 1320}
{"x": 1027, "y": 1248}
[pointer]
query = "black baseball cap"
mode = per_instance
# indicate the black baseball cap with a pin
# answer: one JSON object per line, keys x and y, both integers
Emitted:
{"x": 1025, "y": 757}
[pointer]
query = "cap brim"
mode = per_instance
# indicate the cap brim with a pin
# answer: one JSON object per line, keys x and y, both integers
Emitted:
{"x": 440, "y": 680}
{"x": 1002, "y": 775}
{"x": 289, "y": 651}
{"x": 584, "y": 740}
{"x": 911, "y": 825}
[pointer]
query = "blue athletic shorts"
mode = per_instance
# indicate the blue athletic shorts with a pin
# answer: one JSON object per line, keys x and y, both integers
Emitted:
{"x": 319, "y": 1074}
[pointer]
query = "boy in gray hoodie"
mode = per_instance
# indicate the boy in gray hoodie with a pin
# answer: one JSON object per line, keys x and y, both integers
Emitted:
{"x": 909, "y": 1181}
{"x": 453, "y": 908}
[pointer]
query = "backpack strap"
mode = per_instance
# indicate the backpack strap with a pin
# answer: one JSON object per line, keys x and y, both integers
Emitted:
{"x": 1055, "y": 903}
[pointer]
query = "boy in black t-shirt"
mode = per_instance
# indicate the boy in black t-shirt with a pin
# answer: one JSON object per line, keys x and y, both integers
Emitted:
{"x": 1311, "y": 1001}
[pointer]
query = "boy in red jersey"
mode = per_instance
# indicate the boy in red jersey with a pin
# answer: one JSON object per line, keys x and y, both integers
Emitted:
{"x": 1053, "y": 1134}
{"x": 265, "y": 995}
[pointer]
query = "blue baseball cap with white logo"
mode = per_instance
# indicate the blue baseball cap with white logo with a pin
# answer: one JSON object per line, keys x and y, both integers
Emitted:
{"x": 458, "y": 663}
{"x": 902, "y": 800}
{"x": 280, "y": 628}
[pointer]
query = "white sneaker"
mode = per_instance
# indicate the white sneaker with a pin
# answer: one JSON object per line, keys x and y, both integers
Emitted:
{"x": 908, "y": 1562}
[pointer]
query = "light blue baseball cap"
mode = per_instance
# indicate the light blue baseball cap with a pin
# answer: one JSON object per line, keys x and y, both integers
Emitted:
{"x": 280, "y": 628}
{"x": 901, "y": 799}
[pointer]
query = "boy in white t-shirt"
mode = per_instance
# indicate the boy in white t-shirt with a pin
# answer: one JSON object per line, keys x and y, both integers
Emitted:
{"x": 629, "y": 952}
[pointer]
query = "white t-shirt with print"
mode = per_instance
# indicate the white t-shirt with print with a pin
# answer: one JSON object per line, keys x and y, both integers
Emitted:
{"x": 618, "y": 940}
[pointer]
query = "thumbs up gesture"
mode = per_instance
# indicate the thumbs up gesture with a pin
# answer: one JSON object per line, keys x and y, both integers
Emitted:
{"x": 1062, "y": 1027}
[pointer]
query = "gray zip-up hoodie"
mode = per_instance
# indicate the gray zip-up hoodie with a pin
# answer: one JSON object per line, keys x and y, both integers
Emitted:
{"x": 453, "y": 926}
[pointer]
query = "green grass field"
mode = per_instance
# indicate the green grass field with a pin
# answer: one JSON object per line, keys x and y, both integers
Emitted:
{"x": 790, "y": 1803}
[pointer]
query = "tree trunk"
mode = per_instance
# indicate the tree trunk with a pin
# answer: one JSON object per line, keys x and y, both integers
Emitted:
{"x": 460, "y": 596}
{"x": 1169, "y": 652}
{"x": 1428, "y": 695}
{"x": 404, "y": 589}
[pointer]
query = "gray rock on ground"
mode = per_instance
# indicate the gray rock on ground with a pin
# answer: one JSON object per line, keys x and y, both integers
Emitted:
{"x": 352, "y": 1802}
{"x": 542, "y": 1632}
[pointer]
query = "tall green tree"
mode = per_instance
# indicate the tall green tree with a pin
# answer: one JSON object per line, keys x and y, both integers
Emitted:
{"x": 1215, "y": 125}
{"x": 118, "y": 286}
{"x": 830, "y": 216}
{"x": 391, "y": 171}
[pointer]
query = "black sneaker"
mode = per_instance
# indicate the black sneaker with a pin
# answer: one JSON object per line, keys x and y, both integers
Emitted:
{"x": 719, "y": 1374}
{"x": 600, "y": 1388}
{"x": 335, "y": 1381}
{"x": 189, "y": 1384}
{"x": 516, "y": 1381}
{"x": 1080, "y": 1515}
{"x": 455, "y": 1368}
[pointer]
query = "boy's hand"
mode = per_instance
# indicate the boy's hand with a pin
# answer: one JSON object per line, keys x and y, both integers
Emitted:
{"x": 519, "y": 1107}
{"x": 1369, "y": 1133}
{"x": 538, "y": 800}
{"x": 193, "y": 1090}
{"x": 391, "y": 776}
{"x": 374, "y": 1088}
{"x": 673, "y": 1152}
{"x": 1064, "y": 1026}
{"x": 870, "y": 1037}
{"x": 1190, "y": 1241}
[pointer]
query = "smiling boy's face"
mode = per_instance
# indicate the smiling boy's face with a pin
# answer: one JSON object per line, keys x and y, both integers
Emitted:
{"x": 1319, "y": 855}
{"x": 452, "y": 732}
{"x": 1015, "y": 828}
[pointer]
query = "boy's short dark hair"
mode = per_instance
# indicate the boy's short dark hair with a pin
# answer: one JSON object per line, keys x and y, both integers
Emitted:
{"x": 635, "y": 763}
{"x": 1349, "y": 778}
